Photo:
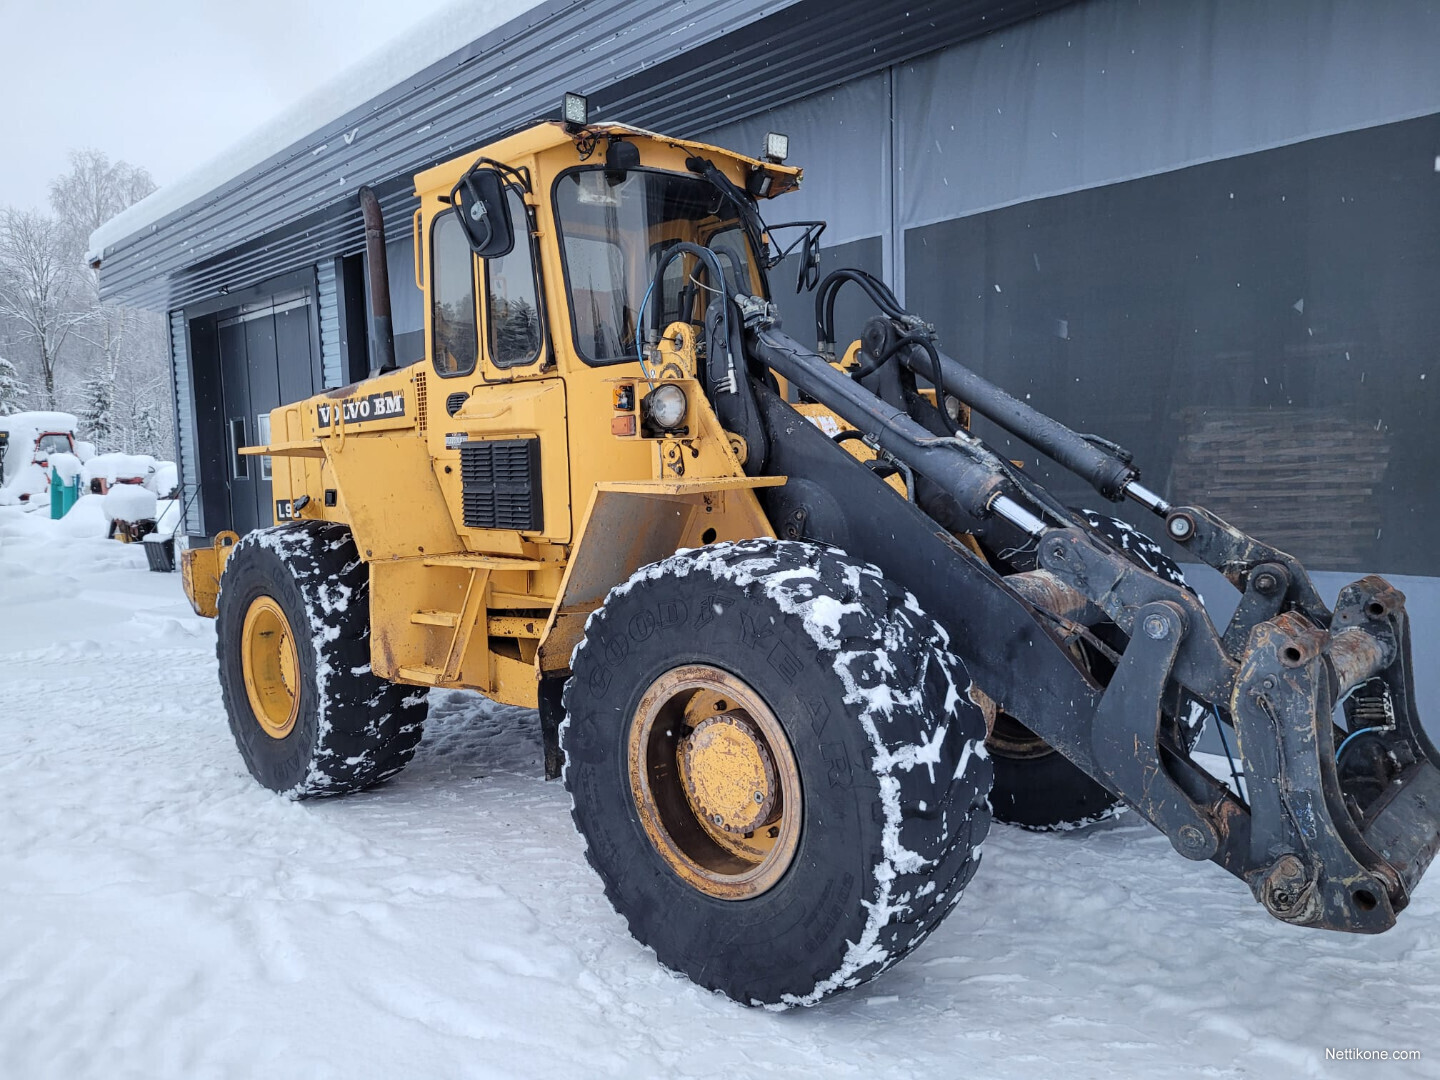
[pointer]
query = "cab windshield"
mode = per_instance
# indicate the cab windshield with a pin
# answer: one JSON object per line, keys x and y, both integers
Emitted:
{"x": 53, "y": 443}
{"x": 614, "y": 235}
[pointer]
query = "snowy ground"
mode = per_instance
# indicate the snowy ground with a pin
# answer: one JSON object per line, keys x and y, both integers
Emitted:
{"x": 163, "y": 916}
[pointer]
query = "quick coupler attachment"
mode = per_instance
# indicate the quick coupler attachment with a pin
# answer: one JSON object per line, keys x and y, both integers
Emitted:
{"x": 1343, "y": 821}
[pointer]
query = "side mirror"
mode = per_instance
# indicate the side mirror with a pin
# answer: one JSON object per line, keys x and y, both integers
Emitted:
{"x": 484, "y": 211}
{"x": 809, "y": 262}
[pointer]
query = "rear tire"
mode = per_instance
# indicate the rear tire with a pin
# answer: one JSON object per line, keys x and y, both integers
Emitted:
{"x": 851, "y": 689}
{"x": 1036, "y": 786}
{"x": 292, "y": 638}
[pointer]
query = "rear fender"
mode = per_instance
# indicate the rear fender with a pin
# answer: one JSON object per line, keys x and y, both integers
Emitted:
{"x": 200, "y": 570}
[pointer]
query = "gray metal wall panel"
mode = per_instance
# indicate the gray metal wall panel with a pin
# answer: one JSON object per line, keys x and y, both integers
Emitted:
{"x": 849, "y": 190}
{"x": 798, "y": 52}
{"x": 1113, "y": 90}
{"x": 185, "y": 435}
{"x": 331, "y": 362}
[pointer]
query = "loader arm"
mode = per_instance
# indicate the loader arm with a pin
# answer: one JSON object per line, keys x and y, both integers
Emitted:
{"x": 1337, "y": 824}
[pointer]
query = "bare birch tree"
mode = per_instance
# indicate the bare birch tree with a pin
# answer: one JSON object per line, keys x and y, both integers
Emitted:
{"x": 38, "y": 289}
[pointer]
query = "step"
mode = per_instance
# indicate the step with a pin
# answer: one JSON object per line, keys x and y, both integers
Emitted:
{"x": 427, "y": 676}
{"x": 488, "y": 562}
{"x": 435, "y": 618}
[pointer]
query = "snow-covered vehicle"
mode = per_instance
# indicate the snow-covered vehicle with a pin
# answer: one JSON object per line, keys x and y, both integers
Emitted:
{"x": 26, "y": 442}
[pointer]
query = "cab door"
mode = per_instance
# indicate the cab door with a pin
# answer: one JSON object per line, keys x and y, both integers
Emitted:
{"x": 505, "y": 463}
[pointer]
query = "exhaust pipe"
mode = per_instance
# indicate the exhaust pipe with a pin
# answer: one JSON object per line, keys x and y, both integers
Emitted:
{"x": 382, "y": 334}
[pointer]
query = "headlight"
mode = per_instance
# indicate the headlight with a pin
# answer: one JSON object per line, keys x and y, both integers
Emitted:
{"x": 665, "y": 407}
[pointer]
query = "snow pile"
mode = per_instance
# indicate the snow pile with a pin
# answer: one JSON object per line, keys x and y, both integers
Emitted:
{"x": 86, "y": 519}
{"x": 431, "y": 41}
{"x": 67, "y": 465}
{"x": 165, "y": 479}
{"x": 30, "y": 481}
{"x": 129, "y": 502}
{"x": 167, "y": 520}
{"x": 116, "y": 468}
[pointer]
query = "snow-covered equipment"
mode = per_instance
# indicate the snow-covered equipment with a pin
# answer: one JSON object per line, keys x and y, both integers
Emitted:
{"x": 785, "y": 618}
{"x": 102, "y": 471}
{"x": 27, "y": 440}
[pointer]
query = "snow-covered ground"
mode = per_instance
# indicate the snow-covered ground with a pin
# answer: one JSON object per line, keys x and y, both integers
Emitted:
{"x": 161, "y": 915}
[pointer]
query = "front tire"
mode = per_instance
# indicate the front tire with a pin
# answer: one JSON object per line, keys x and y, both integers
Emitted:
{"x": 775, "y": 766}
{"x": 292, "y": 638}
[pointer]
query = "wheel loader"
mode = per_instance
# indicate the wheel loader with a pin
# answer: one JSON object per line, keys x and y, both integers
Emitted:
{"x": 794, "y": 634}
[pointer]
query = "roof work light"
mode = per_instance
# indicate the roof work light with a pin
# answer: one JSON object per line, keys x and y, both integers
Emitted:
{"x": 575, "y": 109}
{"x": 777, "y": 147}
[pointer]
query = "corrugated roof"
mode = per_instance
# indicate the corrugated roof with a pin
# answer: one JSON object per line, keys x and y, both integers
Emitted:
{"x": 681, "y": 66}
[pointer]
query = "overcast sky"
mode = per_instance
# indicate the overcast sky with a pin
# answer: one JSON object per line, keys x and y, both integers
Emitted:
{"x": 165, "y": 84}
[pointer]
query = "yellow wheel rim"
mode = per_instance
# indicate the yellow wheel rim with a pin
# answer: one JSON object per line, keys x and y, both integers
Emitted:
{"x": 271, "y": 667}
{"x": 715, "y": 782}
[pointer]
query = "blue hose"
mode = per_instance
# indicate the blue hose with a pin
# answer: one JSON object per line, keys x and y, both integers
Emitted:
{"x": 1346, "y": 741}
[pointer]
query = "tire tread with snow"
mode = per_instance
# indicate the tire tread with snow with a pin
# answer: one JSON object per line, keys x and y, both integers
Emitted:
{"x": 354, "y": 729}
{"x": 889, "y": 748}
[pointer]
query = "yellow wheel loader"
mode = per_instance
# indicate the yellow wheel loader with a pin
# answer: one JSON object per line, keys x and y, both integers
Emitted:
{"x": 793, "y": 632}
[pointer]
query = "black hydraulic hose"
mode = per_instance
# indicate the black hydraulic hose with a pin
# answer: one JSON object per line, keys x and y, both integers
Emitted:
{"x": 923, "y": 341}
{"x": 1105, "y": 472}
{"x": 879, "y": 293}
{"x": 962, "y": 467}
{"x": 734, "y": 399}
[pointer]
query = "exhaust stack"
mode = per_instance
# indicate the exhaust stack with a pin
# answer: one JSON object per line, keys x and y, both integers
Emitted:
{"x": 382, "y": 335}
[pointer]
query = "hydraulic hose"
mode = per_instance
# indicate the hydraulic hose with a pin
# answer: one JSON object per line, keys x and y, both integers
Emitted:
{"x": 727, "y": 378}
{"x": 878, "y": 292}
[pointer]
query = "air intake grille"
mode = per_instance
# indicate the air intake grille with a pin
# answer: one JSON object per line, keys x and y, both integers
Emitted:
{"x": 500, "y": 484}
{"x": 421, "y": 404}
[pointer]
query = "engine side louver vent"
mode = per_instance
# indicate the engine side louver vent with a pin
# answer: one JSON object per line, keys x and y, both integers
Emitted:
{"x": 500, "y": 484}
{"x": 421, "y": 404}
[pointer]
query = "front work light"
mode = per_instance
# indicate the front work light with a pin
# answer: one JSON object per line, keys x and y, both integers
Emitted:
{"x": 777, "y": 147}
{"x": 575, "y": 109}
{"x": 665, "y": 407}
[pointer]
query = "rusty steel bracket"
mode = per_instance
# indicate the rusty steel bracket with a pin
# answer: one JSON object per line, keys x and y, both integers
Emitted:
{"x": 1308, "y": 861}
{"x": 1325, "y": 843}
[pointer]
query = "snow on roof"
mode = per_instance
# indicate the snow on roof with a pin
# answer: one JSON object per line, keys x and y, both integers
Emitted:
{"x": 429, "y": 42}
{"x": 38, "y": 422}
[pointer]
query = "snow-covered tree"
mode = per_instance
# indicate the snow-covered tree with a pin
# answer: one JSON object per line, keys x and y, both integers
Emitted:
{"x": 39, "y": 289}
{"x": 12, "y": 390}
{"x": 97, "y": 408}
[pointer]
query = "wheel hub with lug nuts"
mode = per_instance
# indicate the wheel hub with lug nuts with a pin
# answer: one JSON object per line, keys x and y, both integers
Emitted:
{"x": 729, "y": 774}
{"x": 715, "y": 782}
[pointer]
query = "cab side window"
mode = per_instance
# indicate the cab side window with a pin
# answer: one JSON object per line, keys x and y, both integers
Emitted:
{"x": 455, "y": 336}
{"x": 513, "y": 321}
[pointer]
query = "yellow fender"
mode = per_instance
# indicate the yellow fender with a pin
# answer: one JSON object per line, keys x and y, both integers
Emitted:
{"x": 200, "y": 570}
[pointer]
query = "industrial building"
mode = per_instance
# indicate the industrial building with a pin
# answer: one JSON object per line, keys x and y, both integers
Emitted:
{"x": 1209, "y": 231}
